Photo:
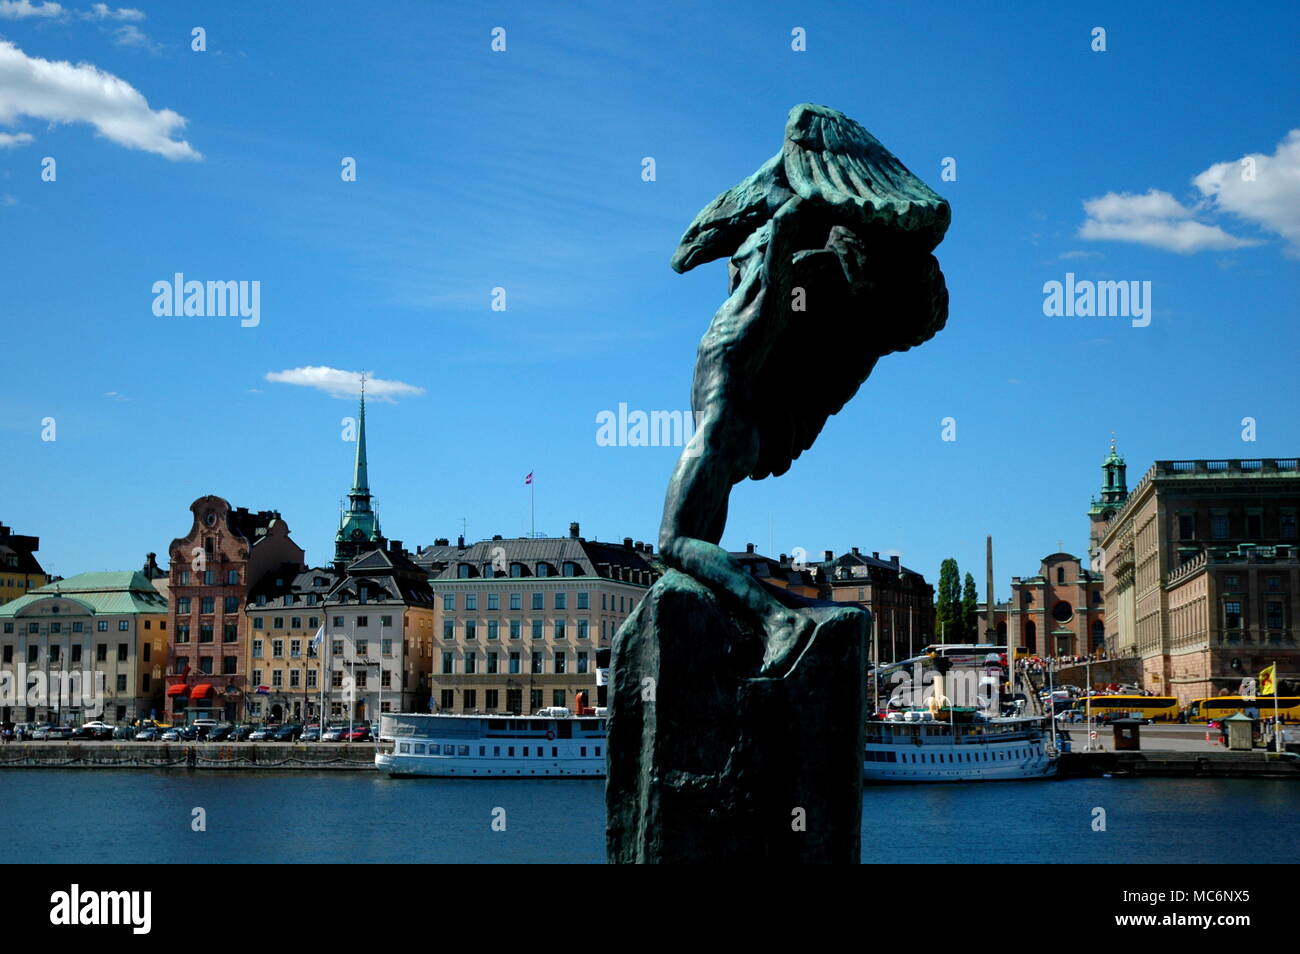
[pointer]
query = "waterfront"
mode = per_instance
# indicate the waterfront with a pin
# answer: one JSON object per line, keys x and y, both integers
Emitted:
{"x": 142, "y": 816}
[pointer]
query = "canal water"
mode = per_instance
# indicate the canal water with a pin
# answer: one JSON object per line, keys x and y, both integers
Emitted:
{"x": 114, "y": 816}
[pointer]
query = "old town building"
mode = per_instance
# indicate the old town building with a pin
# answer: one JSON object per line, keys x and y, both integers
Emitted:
{"x": 1059, "y": 611}
{"x": 20, "y": 571}
{"x": 358, "y": 531}
{"x": 225, "y": 554}
{"x": 107, "y": 627}
{"x": 1202, "y": 573}
{"x": 285, "y": 612}
{"x": 900, "y": 600}
{"x": 378, "y": 637}
{"x": 523, "y": 619}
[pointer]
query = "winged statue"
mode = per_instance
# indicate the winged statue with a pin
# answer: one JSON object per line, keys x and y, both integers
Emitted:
{"x": 831, "y": 268}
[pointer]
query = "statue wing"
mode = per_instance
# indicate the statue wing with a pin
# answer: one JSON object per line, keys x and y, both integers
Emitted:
{"x": 831, "y": 159}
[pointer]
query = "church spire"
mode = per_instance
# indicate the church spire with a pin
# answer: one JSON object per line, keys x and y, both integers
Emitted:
{"x": 360, "y": 493}
{"x": 359, "y": 526}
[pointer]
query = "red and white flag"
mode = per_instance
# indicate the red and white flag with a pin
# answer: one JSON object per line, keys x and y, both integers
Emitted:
{"x": 529, "y": 478}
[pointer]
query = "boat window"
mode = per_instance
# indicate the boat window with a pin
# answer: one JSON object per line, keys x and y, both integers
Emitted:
{"x": 404, "y": 748}
{"x": 598, "y": 751}
{"x": 433, "y": 748}
{"x": 583, "y": 751}
{"x": 525, "y": 751}
{"x": 555, "y": 751}
{"x": 418, "y": 748}
{"x": 461, "y": 750}
{"x": 510, "y": 751}
{"x": 482, "y": 750}
{"x": 496, "y": 751}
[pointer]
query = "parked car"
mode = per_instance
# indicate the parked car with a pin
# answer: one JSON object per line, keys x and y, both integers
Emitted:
{"x": 124, "y": 732}
{"x": 240, "y": 733}
{"x": 39, "y": 731}
{"x": 59, "y": 732}
{"x": 171, "y": 735}
{"x": 262, "y": 733}
{"x": 288, "y": 732}
{"x": 147, "y": 734}
{"x": 220, "y": 732}
{"x": 95, "y": 730}
{"x": 311, "y": 734}
{"x": 359, "y": 733}
{"x": 334, "y": 733}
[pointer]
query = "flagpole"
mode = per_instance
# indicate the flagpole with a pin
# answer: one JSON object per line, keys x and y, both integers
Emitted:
{"x": 1277, "y": 716}
{"x": 532, "y": 495}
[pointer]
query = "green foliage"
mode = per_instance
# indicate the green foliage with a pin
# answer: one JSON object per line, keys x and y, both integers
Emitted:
{"x": 947, "y": 619}
{"x": 969, "y": 609}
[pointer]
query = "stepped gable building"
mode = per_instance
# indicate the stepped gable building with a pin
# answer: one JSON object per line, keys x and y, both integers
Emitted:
{"x": 358, "y": 531}
{"x": 1203, "y": 581}
{"x": 226, "y": 553}
{"x": 111, "y": 623}
{"x": 523, "y": 619}
{"x": 378, "y": 637}
{"x": 901, "y": 602}
{"x": 285, "y": 610}
{"x": 20, "y": 571}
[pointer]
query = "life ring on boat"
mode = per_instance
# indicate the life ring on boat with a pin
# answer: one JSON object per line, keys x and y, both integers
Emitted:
{"x": 550, "y": 735}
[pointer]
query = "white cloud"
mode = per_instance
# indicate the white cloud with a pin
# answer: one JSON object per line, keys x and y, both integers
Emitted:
{"x": 343, "y": 384}
{"x": 12, "y": 140}
{"x": 102, "y": 11}
{"x": 1156, "y": 219}
{"x": 132, "y": 36}
{"x": 24, "y": 9}
{"x": 1270, "y": 200}
{"x": 63, "y": 93}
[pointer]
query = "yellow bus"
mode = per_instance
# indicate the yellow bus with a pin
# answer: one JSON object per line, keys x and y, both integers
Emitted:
{"x": 1155, "y": 708}
{"x": 1220, "y": 707}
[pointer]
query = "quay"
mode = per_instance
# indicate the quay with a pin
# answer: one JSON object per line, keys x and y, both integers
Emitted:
{"x": 1176, "y": 764}
{"x": 230, "y": 756}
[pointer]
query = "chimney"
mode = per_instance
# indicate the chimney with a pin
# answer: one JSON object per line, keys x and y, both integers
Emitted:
{"x": 496, "y": 536}
{"x": 638, "y": 546}
{"x": 749, "y": 548}
{"x": 627, "y": 542}
{"x": 394, "y": 546}
{"x": 876, "y": 554}
{"x": 894, "y": 559}
{"x": 573, "y": 530}
{"x": 830, "y": 555}
{"x": 460, "y": 541}
{"x": 441, "y": 542}
{"x": 855, "y": 551}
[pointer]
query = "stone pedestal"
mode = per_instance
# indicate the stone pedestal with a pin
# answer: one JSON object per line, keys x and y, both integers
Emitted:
{"x": 709, "y": 763}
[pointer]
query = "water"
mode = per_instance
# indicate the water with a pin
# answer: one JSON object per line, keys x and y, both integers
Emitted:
{"x": 145, "y": 817}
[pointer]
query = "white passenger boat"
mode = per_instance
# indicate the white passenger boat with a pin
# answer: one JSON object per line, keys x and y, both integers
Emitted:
{"x": 955, "y": 745}
{"x": 553, "y": 743}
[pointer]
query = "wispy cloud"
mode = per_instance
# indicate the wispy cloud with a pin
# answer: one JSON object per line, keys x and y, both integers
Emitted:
{"x": 1268, "y": 197}
{"x": 63, "y": 93}
{"x": 102, "y": 11}
{"x": 25, "y": 10}
{"x": 13, "y": 140}
{"x": 344, "y": 384}
{"x": 132, "y": 36}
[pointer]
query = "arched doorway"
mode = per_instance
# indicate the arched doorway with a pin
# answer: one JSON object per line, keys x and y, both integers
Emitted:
{"x": 277, "y": 713}
{"x": 1031, "y": 636}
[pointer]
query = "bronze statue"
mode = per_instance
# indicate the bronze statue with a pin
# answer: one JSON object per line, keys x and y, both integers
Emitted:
{"x": 831, "y": 268}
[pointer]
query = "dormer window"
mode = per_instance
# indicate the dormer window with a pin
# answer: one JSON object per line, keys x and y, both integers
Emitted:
{"x": 542, "y": 569}
{"x": 517, "y": 569}
{"x": 571, "y": 569}
{"x": 488, "y": 572}
{"x": 464, "y": 571}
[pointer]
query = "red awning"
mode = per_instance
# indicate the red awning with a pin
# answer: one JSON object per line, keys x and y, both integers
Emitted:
{"x": 177, "y": 690}
{"x": 201, "y": 690}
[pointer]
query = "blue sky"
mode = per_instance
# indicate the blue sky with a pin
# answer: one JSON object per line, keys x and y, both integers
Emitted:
{"x": 522, "y": 169}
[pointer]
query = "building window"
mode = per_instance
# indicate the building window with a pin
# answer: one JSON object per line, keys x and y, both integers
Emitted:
{"x": 494, "y": 627}
{"x": 277, "y": 678}
{"x": 1232, "y": 614}
{"x": 448, "y": 663}
{"x": 257, "y": 649}
{"x": 185, "y": 578}
{"x": 561, "y": 601}
{"x": 539, "y": 601}
{"x": 558, "y": 698}
{"x": 514, "y": 663}
{"x": 1273, "y": 615}
{"x": 471, "y": 629}
{"x": 584, "y": 626}
{"x": 121, "y": 682}
{"x": 449, "y": 601}
{"x": 448, "y": 699}
{"x": 490, "y": 699}
{"x": 584, "y": 600}
{"x": 232, "y": 578}
{"x": 516, "y": 569}
{"x": 561, "y": 663}
{"x": 494, "y": 601}
{"x": 582, "y": 663}
{"x": 1287, "y": 525}
{"x": 536, "y": 661}
{"x": 1186, "y": 526}
{"x": 471, "y": 601}
{"x": 448, "y": 629}
{"x": 277, "y": 649}
{"x": 491, "y": 662}
{"x": 311, "y": 679}
{"x": 537, "y": 629}
{"x": 1219, "y": 526}
{"x": 122, "y": 650}
{"x": 363, "y": 622}
{"x": 295, "y": 622}
{"x": 560, "y": 629}
{"x": 295, "y": 678}
{"x": 471, "y": 663}
{"x": 230, "y": 604}
{"x": 1273, "y": 584}
{"x": 516, "y": 601}
{"x": 542, "y": 569}
{"x": 295, "y": 648}
{"x": 229, "y": 665}
{"x": 182, "y": 606}
{"x": 516, "y": 629}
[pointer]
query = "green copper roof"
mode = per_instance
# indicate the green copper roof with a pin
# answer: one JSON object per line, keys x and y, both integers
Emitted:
{"x": 360, "y": 472}
{"x": 119, "y": 592}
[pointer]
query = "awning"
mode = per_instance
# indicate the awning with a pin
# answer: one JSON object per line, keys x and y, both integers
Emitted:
{"x": 201, "y": 690}
{"x": 177, "y": 690}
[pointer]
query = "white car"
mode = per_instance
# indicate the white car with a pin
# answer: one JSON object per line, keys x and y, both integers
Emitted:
{"x": 96, "y": 729}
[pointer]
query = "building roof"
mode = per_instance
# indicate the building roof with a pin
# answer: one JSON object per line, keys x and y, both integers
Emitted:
{"x": 780, "y": 571}
{"x": 111, "y": 593}
{"x": 17, "y": 552}
{"x": 288, "y": 591}
{"x": 856, "y": 566}
{"x": 591, "y": 558}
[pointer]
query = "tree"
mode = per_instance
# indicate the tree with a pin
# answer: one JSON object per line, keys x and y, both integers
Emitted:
{"x": 947, "y": 613}
{"x": 969, "y": 611}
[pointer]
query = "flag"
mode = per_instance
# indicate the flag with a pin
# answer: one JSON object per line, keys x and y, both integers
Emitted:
{"x": 263, "y": 690}
{"x": 1266, "y": 677}
{"x": 186, "y": 671}
{"x": 529, "y": 478}
{"x": 320, "y": 634}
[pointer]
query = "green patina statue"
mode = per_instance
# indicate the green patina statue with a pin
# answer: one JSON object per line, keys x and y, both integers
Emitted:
{"x": 831, "y": 268}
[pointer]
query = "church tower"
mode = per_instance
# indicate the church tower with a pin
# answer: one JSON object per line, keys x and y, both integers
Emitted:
{"x": 358, "y": 525}
{"x": 1114, "y": 494}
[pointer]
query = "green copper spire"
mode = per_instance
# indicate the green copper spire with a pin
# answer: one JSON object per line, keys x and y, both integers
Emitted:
{"x": 360, "y": 474}
{"x": 358, "y": 526}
